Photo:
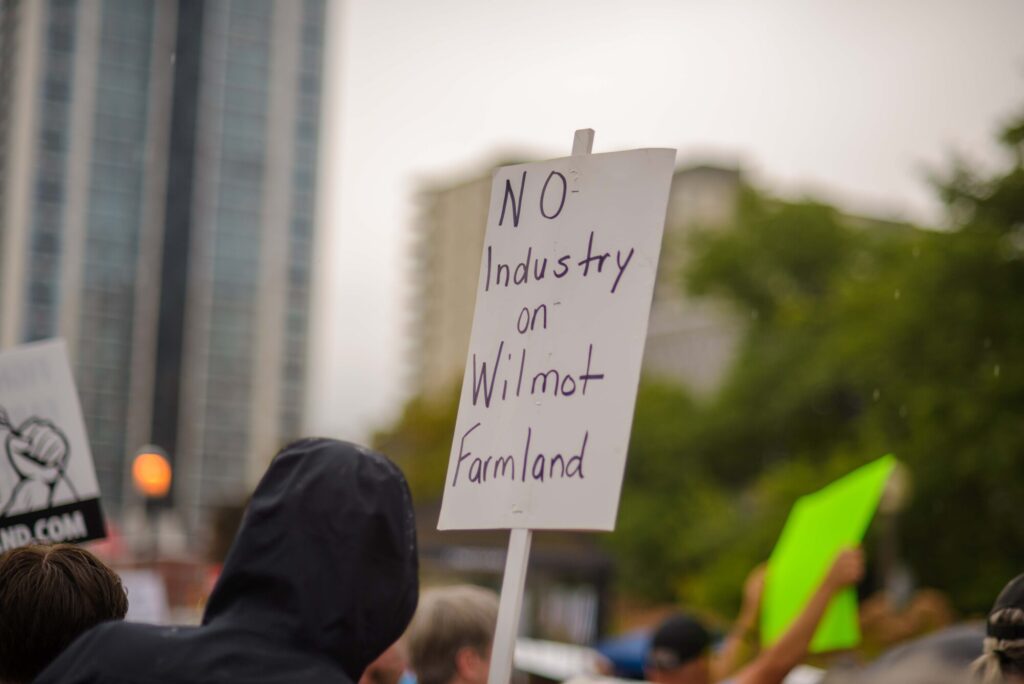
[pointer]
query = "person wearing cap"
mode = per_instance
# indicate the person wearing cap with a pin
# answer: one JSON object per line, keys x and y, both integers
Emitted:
{"x": 1003, "y": 657}
{"x": 680, "y": 651}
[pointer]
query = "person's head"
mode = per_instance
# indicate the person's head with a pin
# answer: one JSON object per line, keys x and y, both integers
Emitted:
{"x": 388, "y": 668}
{"x": 451, "y": 634}
{"x": 325, "y": 557}
{"x": 49, "y": 595}
{"x": 1003, "y": 659}
{"x": 679, "y": 652}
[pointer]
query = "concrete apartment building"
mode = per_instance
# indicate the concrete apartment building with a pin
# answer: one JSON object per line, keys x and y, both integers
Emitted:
{"x": 688, "y": 341}
{"x": 158, "y": 169}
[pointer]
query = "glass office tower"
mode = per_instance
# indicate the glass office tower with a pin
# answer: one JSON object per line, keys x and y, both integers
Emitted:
{"x": 158, "y": 172}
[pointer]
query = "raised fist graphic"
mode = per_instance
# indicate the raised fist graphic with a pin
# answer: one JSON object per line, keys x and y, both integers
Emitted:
{"x": 38, "y": 452}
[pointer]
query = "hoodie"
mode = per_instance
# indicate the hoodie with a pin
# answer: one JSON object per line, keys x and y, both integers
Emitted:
{"x": 322, "y": 578}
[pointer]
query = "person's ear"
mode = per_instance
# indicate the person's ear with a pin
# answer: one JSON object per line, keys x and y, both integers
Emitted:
{"x": 470, "y": 665}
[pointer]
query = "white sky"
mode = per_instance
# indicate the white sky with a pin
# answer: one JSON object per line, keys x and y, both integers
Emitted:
{"x": 850, "y": 99}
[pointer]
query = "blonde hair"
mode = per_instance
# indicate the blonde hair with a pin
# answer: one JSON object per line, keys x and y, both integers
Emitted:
{"x": 447, "y": 620}
{"x": 1001, "y": 657}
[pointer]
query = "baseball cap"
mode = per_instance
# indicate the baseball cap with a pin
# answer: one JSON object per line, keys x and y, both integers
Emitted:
{"x": 677, "y": 641}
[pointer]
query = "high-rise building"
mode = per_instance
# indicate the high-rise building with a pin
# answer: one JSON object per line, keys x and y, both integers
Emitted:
{"x": 158, "y": 169}
{"x": 691, "y": 341}
{"x": 688, "y": 340}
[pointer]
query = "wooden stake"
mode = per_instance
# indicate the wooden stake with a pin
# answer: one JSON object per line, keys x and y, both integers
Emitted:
{"x": 514, "y": 582}
{"x": 511, "y": 606}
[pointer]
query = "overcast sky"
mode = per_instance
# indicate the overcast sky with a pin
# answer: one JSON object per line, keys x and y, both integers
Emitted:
{"x": 852, "y": 100}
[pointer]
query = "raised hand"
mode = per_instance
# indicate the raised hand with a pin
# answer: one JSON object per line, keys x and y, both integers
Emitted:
{"x": 753, "y": 589}
{"x": 847, "y": 568}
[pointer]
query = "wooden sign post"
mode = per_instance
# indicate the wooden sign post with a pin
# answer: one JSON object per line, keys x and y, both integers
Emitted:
{"x": 566, "y": 279}
{"x": 518, "y": 558}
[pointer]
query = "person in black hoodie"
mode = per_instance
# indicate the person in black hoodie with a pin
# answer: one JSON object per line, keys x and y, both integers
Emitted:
{"x": 321, "y": 579}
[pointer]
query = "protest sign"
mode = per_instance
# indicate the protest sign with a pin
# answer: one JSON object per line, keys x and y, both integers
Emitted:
{"x": 566, "y": 278}
{"x": 819, "y": 526}
{"x": 48, "y": 488}
{"x": 147, "y": 597}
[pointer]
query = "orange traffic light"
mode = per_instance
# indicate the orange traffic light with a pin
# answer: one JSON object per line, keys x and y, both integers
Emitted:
{"x": 151, "y": 473}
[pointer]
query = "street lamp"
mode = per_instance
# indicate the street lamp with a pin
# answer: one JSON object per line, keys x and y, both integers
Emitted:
{"x": 152, "y": 475}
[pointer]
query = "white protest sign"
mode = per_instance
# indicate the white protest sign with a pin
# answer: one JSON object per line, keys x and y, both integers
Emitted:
{"x": 566, "y": 278}
{"x": 48, "y": 488}
{"x": 147, "y": 597}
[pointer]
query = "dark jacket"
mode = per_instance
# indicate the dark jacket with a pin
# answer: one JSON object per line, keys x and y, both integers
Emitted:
{"x": 321, "y": 579}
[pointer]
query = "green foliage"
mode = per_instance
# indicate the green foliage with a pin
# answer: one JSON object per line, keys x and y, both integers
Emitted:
{"x": 660, "y": 494}
{"x": 420, "y": 442}
{"x": 862, "y": 340}
{"x": 790, "y": 254}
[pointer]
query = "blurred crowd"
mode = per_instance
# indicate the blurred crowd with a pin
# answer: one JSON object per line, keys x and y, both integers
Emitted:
{"x": 321, "y": 584}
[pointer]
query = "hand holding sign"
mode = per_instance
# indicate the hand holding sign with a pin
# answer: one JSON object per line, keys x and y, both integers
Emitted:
{"x": 811, "y": 551}
{"x": 753, "y": 590}
{"x": 775, "y": 662}
{"x": 847, "y": 569}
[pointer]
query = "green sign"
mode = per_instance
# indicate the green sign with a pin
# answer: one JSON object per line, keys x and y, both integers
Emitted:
{"x": 819, "y": 526}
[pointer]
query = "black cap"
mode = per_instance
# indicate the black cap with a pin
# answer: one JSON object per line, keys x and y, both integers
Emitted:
{"x": 677, "y": 641}
{"x": 1012, "y": 596}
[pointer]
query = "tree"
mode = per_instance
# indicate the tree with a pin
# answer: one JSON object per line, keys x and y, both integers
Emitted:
{"x": 420, "y": 442}
{"x": 863, "y": 340}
